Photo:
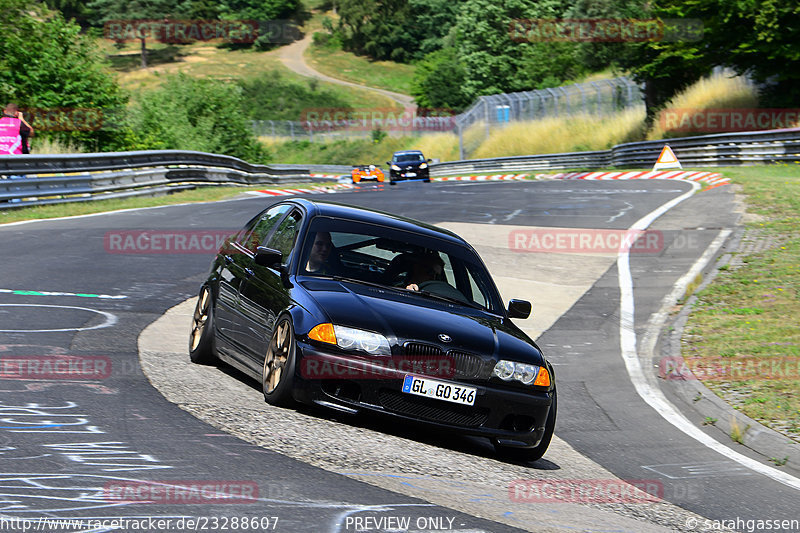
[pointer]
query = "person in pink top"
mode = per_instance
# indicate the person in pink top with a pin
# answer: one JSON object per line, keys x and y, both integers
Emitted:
{"x": 14, "y": 132}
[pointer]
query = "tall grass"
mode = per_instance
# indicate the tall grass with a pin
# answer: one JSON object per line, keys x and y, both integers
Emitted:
{"x": 441, "y": 145}
{"x": 563, "y": 134}
{"x": 49, "y": 145}
{"x": 720, "y": 91}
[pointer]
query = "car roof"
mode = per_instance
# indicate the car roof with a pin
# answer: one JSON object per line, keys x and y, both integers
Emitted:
{"x": 402, "y": 152}
{"x": 372, "y": 216}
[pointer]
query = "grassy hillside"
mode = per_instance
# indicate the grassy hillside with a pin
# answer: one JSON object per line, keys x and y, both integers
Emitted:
{"x": 209, "y": 61}
{"x": 330, "y": 59}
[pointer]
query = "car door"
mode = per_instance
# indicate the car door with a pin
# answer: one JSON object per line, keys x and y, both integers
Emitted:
{"x": 263, "y": 295}
{"x": 238, "y": 263}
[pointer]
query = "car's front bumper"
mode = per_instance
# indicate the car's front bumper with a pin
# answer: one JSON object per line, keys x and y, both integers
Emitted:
{"x": 402, "y": 175}
{"x": 511, "y": 417}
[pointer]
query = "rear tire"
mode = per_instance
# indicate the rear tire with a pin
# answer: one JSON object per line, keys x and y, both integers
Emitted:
{"x": 277, "y": 376}
{"x": 202, "y": 349}
{"x": 537, "y": 452}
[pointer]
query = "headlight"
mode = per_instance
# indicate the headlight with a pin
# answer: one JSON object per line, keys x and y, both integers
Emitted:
{"x": 423, "y": 166}
{"x": 351, "y": 339}
{"x": 395, "y": 167}
{"x": 522, "y": 372}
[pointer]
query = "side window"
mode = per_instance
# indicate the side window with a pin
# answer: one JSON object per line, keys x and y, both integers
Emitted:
{"x": 284, "y": 237}
{"x": 263, "y": 227}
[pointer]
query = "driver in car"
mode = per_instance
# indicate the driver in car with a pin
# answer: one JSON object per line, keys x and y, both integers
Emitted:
{"x": 427, "y": 268}
{"x": 320, "y": 253}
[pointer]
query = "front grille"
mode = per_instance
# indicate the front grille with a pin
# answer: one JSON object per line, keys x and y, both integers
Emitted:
{"x": 419, "y": 348}
{"x": 433, "y": 410}
{"x": 468, "y": 366}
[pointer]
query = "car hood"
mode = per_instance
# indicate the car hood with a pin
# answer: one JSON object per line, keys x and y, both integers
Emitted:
{"x": 404, "y": 316}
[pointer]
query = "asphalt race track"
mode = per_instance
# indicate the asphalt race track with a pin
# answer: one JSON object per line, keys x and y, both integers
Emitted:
{"x": 80, "y": 447}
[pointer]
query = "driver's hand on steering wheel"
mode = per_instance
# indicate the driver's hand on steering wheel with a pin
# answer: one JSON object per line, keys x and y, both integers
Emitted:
{"x": 412, "y": 287}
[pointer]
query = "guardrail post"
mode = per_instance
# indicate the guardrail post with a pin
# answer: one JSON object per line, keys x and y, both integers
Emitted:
{"x": 486, "y": 113}
{"x": 460, "y": 129}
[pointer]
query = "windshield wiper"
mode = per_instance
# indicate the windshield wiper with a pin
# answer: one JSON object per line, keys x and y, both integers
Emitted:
{"x": 449, "y": 299}
{"x": 362, "y": 282}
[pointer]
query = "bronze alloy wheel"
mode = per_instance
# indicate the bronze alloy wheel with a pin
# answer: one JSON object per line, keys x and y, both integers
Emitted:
{"x": 201, "y": 340}
{"x": 277, "y": 378}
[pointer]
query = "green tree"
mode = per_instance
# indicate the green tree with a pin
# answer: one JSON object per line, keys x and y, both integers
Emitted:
{"x": 377, "y": 28}
{"x": 260, "y": 10}
{"x": 46, "y": 63}
{"x": 494, "y": 62}
{"x": 438, "y": 80}
{"x": 397, "y": 30}
{"x": 187, "y": 113}
{"x": 758, "y": 38}
{"x": 271, "y": 96}
{"x": 71, "y": 9}
{"x": 755, "y": 37}
{"x": 125, "y": 11}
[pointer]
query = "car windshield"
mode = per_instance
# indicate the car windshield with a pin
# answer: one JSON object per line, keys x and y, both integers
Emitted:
{"x": 400, "y": 259}
{"x": 409, "y": 158}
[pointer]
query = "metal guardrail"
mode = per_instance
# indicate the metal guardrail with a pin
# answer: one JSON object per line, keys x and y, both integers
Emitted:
{"x": 82, "y": 177}
{"x": 724, "y": 149}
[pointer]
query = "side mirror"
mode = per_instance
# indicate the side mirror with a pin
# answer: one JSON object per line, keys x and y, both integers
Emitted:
{"x": 430, "y": 160}
{"x": 268, "y": 257}
{"x": 388, "y": 163}
{"x": 519, "y": 309}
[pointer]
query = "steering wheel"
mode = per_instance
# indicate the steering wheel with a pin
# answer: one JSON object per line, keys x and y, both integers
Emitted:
{"x": 442, "y": 288}
{"x": 432, "y": 284}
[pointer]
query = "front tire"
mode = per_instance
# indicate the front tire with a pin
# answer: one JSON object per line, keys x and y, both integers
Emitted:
{"x": 538, "y": 451}
{"x": 202, "y": 348}
{"x": 277, "y": 376}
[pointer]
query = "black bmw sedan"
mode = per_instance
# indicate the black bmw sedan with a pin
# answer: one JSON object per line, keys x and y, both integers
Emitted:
{"x": 358, "y": 310}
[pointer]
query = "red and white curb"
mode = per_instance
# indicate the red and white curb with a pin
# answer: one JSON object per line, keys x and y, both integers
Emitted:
{"x": 313, "y": 190}
{"x": 351, "y": 186}
{"x": 495, "y": 177}
{"x": 711, "y": 178}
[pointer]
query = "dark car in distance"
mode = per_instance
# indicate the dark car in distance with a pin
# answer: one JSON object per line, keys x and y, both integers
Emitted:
{"x": 363, "y": 311}
{"x": 408, "y": 165}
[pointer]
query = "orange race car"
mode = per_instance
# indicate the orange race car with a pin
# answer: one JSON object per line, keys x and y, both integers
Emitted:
{"x": 367, "y": 172}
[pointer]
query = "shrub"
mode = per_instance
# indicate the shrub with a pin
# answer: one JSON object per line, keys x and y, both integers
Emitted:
{"x": 194, "y": 114}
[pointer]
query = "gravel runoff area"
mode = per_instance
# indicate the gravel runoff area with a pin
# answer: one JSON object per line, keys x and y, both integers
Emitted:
{"x": 454, "y": 472}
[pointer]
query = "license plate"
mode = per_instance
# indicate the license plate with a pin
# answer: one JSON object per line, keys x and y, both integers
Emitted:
{"x": 440, "y": 390}
{"x": 411, "y": 174}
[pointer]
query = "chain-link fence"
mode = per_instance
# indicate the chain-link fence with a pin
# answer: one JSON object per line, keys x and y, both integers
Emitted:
{"x": 321, "y": 130}
{"x": 592, "y": 98}
{"x": 473, "y": 126}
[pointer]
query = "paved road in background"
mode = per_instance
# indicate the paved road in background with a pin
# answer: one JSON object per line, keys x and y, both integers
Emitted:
{"x": 293, "y": 57}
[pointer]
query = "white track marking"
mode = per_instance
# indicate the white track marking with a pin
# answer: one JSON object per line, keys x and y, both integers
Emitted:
{"x": 649, "y": 391}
